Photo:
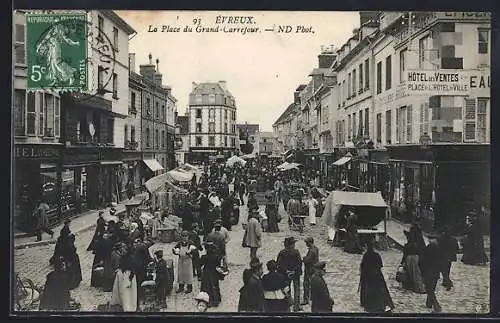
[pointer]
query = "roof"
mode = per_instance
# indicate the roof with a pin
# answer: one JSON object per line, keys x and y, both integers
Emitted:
{"x": 210, "y": 88}
{"x": 114, "y": 17}
{"x": 285, "y": 113}
{"x": 319, "y": 71}
{"x": 183, "y": 122}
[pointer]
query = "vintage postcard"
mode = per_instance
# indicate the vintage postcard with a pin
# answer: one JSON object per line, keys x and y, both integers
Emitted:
{"x": 254, "y": 161}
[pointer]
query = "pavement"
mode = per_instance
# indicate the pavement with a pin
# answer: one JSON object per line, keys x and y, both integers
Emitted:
{"x": 470, "y": 294}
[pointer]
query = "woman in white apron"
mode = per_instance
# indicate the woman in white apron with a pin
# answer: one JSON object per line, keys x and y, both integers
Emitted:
{"x": 184, "y": 250}
{"x": 312, "y": 210}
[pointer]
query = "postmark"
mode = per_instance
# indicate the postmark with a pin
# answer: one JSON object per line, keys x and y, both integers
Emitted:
{"x": 66, "y": 53}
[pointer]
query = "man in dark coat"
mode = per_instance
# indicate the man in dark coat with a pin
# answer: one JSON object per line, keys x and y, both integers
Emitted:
{"x": 161, "y": 280}
{"x": 449, "y": 247}
{"x": 252, "y": 294}
{"x": 321, "y": 301}
{"x": 194, "y": 237}
{"x": 290, "y": 264}
{"x": 207, "y": 222}
{"x": 42, "y": 220}
{"x": 187, "y": 216}
{"x": 141, "y": 258}
{"x": 226, "y": 208}
{"x": 310, "y": 259}
{"x": 431, "y": 262}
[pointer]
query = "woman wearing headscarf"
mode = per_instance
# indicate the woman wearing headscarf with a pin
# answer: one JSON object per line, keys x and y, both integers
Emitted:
{"x": 374, "y": 296}
{"x": 414, "y": 280}
{"x": 184, "y": 249}
{"x": 276, "y": 290}
{"x": 125, "y": 285}
{"x": 210, "y": 276}
{"x": 56, "y": 295}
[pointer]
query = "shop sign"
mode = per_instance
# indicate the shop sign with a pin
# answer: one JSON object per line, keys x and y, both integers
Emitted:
{"x": 446, "y": 82}
{"x": 393, "y": 95}
{"x": 463, "y": 15}
{"x": 36, "y": 152}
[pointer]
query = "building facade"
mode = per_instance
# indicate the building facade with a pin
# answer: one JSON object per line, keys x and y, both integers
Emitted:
{"x": 248, "y": 138}
{"x": 212, "y": 121}
{"x": 266, "y": 143}
{"x": 182, "y": 133}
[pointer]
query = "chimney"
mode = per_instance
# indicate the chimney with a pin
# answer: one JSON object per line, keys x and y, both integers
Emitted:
{"x": 223, "y": 85}
{"x": 158, "y": 76}
{"x": 148, "y": 70}
{"x": 194, "y": 85}
{"x": 326, "y": 58}
{"x": 131, "y": 62}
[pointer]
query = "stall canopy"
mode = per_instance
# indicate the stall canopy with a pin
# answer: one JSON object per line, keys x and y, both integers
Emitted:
{"x": 179, "y": 175}
{"x": 153, "y": 164}
{"x": 158, "y": 182}
{"x": 369, "y": 207}
{"x": 248, "y": 156}
{"x": 235, "y": 160}
{"x": 188, "y": 168}
{"x": 343, "y": 160}
{"x": 287, "y": 166}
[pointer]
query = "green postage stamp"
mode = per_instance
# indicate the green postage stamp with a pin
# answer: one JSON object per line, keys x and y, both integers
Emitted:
{"x": 57, "y": 51}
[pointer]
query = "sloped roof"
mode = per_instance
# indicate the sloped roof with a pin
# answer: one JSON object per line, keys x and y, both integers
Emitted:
{"x": 319, "y": 71}
{"x": 210, "y": 88}
{"x": 285, "y": 113}
{"x": 183, "y": 122}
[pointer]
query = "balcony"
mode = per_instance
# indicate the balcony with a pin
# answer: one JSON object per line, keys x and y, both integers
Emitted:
{"x": 131, "y": 145}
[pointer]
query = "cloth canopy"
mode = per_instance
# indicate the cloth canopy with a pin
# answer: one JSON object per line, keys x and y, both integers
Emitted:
{"x": 153, "y": 164}
{"x": 188, "y": 167}
{"x": 179, "y": 175}
{"x": 235, "y": 160}
{"x": 248, "y": 156}
{"x": 287, "y": 166}
{"x": 343, "y": 160}
{"x": 156, "y": 183}
{"x": 371, "y": 207}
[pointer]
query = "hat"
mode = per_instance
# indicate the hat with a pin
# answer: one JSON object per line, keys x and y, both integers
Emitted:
{"x": 218, "y": 222}
{"x": 290, "y": 240}
{"x": 309, "y": 239}
{"x": 159, "y": 253}
{"x": 203, "y": 297}
{"x": 320, "y": 265}
{"x": 255, "y": 262}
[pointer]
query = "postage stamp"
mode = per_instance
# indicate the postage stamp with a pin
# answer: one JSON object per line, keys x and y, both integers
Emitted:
{"x": 57, "y": 51}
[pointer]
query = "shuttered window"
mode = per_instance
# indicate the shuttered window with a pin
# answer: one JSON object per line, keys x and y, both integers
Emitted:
{"x": 20, "y": 44}
{"x": 470, "y": 120}
{"x": 424, "y": 118}
{"x": 409, "y": 125}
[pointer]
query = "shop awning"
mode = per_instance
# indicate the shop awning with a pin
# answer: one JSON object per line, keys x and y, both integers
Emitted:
{"x": 111, "y": 162}
{"x": 153, "y": 164}
{"x": 47, "y": 166}
{"x": 342, "y": 161}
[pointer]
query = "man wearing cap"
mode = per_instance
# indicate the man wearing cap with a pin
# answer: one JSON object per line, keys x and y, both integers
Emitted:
{"x": 321, "y": 301}
{"x": 252, "y": 294}
{"x": 310, "y": 259}
{"x": 431, "y": 262}
{"x": 290, "y": 264}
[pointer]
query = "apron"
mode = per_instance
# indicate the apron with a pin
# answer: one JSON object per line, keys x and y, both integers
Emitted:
{"x": 185, "y": 266}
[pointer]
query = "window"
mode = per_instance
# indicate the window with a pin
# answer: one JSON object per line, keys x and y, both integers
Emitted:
{"x": 19, "y": 112}
{"x": 424, "y": 118}
{"x": 349, "y": 86}
{"x": 20, "y": 45}
{"x": 132, "y": 101}
{"x": 211, "y": 98}
{"x": 354, "y": 83}
{"x": 388, "y": 130}
{"x": 379, "y": 128}
{"x": 349, "y": 127}
{"x": 225, "y": 114}
{"x": 157, "y": 110}
{"x": 225, "y": 127}
{"x": 198, "y": 127}
{"x": 198, "y": 141}
{"x": 409, "y": 125}
{"x": 148, "y": 105}
{"x": 424, "y": 46}
{"x": 211, "y": 127}
{"x": 225, "y": 141}
{"x": 110, "y": 131}
{"x": 379, "y": 77}
{"x": 483, "y": 36}
{"x": 367, "y": 123}
{"x": 157, "y": 139}
{"x": 447, "y": 27}
{"x": 49, "y": 115}
{"x": 402, "y": 65}
{"x": 211, "y": 141}
{"x": 100, "y": 77}
{"x": 125, "y": 135}
{"x": 100, "y": 26}
{"x": 115, "y": 38}
{"x": 57, "y": 117}
{"x": 198, "y": 98}
{"x": 40, "y": 115}
{"x": 211, "y": 114}
{"x": 115, "y": 86}
{"x": 367, "y": 74}
{"x": 388, "y": 72}
{"x": 163, "y": 112}
{"x": 344, "y": 93}
{"x": 354, "y": 128}
{"x": 360, "y": 85}
{"x": 198, "y": 113}
{"x": 132, "y": 133}
{"x": 482, "y": 120}
{"x": 360, "y": 124}
{"x": 163, "y": 139}
{"x": 148, "y": 137}
{"x": 470, "y": 120}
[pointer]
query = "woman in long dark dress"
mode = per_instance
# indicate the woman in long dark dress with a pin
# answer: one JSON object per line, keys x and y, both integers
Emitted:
{"x": 56, "y": 294}
{"x": 97, "y": 275}
{"x": 99, "y": 231}
{"x": 374, "y": 296}
{"x": 352, "y": 243}
{"x": 411, "y": 262}
{"x": 473, "y": 250}
{"x": 72, "y": 260}
{"x": 210, "y": 277}
{"x": 271, "y": 213}
{"x": 276, "y": 290}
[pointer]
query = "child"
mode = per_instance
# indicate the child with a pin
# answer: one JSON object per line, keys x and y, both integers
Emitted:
{"x": 161, "y": 279}
{"x": 202, "y": 300}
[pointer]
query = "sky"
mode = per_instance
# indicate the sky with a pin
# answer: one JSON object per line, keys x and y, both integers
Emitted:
{"x": 262, "y": 70}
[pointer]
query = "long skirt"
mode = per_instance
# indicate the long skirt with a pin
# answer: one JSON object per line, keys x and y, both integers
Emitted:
{"x": 374, "y": 294}
{"x": 414, "y": 279}
{"x": 210, "y": 285}
{"x": 276, "y": 305}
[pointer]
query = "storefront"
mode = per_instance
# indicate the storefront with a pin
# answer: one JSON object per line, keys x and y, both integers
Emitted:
{"x": 35, "y": 177}
{"x": 130, "y": 173}
{"x": 439, "y": 184}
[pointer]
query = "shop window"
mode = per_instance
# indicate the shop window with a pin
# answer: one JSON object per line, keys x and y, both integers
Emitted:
{"x": 379, "y": 77}
{"x": 483, "y": 41}
{"x": 367, "y": 74}
{"x": 20, "y": 44}
{"x": 19, "y": 112}
{"x": 211, "y": 141}
{"x": 388, "y": 72}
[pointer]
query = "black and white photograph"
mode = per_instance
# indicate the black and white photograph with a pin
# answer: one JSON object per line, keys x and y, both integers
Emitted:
{"x": 254, "y": 162}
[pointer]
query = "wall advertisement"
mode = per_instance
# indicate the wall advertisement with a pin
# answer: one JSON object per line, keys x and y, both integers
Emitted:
{"x": 447, "y": 82}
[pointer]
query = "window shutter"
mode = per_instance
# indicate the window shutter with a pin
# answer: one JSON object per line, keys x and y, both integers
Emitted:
{"x": 422, "y": 118}
{"x": 470, "y": 120}
{"x": 409, "y": 112}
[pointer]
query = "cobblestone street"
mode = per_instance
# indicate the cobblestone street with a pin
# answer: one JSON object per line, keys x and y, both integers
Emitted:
{"x": 470, "y": 294}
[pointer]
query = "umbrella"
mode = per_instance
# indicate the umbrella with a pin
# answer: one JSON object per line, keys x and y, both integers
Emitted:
{"x": 287, "y": 166}
{"x": 235, "y": 160}
{"x": 248, "y": 156}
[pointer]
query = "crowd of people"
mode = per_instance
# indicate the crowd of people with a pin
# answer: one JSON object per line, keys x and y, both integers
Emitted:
{"x": 123, "y": 263}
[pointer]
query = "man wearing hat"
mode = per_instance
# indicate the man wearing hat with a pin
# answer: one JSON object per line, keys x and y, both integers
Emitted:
{"x": 449, "y": 247}
{"x": 310, "y": 259}
{"x": 290, "y": 264}
{"x": 161, "y": 279}
{"x": 219, "y": 236}
{"x": 431, "y": 263}
{"x": 252, "y": 294}
{"x": 321, "y": 301}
